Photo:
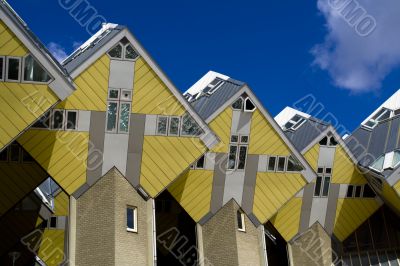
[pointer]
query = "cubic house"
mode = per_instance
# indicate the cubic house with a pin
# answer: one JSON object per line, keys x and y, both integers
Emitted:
{"x": 104, "y": 162}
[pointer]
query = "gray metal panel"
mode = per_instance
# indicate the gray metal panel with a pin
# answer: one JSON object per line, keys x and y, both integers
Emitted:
{"x": 135, "y": 148}
{"x": 306, "y": 207}
{"x": 378, "y": 140}
{"x": 218, "y": 182}
{"x": 305, "y": 134}
{"x": 208, "y": 104}
{"x": 249, "y": 183}
{"x": 391, "y": 143}
{"x": 331, "y": 209}
{"x": 358, "y": 142}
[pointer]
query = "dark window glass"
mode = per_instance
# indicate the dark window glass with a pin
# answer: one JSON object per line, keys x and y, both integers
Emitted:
{"x": 249, "y": 105}
{"x": 174, "y": 126}
{"x": 238, "y": 105}
{"x": 234, "y": 139}
{"x": 43, "y": 225}
{"x": 346, "y": 260}
{"x": 242, "y": 157}
{"x": 392, "y": 258}
{"x": 4, "y": 155}
{"x": 294, "y": 165}
{"x": 328, "y": 170}
{"x": 200, "y": 162}
{"x": 33, "y": 71}
{"x": 350, "y": 191}
{"x": 239, "y": 220}
{"x": 1, "y": 67}
{"x": 355, "y": 260}
{"x": 190, "y": 127}
{"x": 130, "y": 222}
{"x": 162, "y": 125}
{"x": 53, "y": 222}
{"x": 320, "y": 170}
{"x": 368, "y": 192}
{"x": 232, "y": 157}
{"x": 14, "y": 153}
{"x": 333, "y": 141}
{"x": 324, "y": 141}
{"x": 43, "y": 122}
{"x": 244, "y": 139}
{"x": 58, "y": 119}
{"x": 357, "y": 193}
{"x": 71, "y": 120}
{"x": 271, "y": 163}
{"x": 13, "y": 69}
{"x": 327, "y": 182}
{"x": 364, "y": 259}
{"x": 373, "y": 258}
{"x": 116, "y": 52}
{"x": 130, "y": 53}
{"x": 281, "y": 164}
{"x": 318, "y": 184}
{"x": 383, "y": 258}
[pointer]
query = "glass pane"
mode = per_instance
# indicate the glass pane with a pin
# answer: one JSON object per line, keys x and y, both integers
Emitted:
{"x": 271, "y": 163}
{"x": 242, "y": 157}
{"x": 43, "y": 122}
{"x": 162, "y": 125}
{"x": 116, "y": 52}
{"x": 333, "y": 141}
{"x": 249, "y": 105}
{"x": 320, "y": 170}
{"x": 368, "y": 192}
{"x": 14, "y": 153}
{"x": 238, "y": 105}
{"x": 392, "y": 258}
{"x": 129, "y": 220}
{"x": 328, "y": 170}
{"x": 174, "y": 126}
{"x": 378, "y": 164}
{"x": 232, "y": 157}
{"x": 327, "y": 182}
{"x": 234, "y": 139}
{"x": 346, "y": 260}
{"x": 281, "y": 164}
{"x": 112, "y": 116}
{"x": 383, "y": 258}
{"x": 113, "y": 94}
{"x": 370, "y": 124}
{"x": 289, "y": 125}
{"x": 383, "y": 116}
{"x": 4, "y": 155}
{"x": 364, "y": 259}
{"x": 396, "y": 158}
{"x": 1, "y": 67}
{"x": 124, "y": 117}
{"x": 71, "y": 120}
{"x": 317, "y": 189}
{"x": 239, "y": 219}
{"x": 130, "y": 53}
{"x": 324, "y": 141}
{"x": 190, "y": 127}
{"x": 244, "y": 139}
{"x": 355, "y": 260}
{"x": 200, "y": 162}
{"x": 58, "y": 119}
{"x": 357, "y": 193}
{"x": 294, "y": 165}
{"x": 13, "y": 69}
{"x": 33, "y": 71}
{"x": 373, "y": 259}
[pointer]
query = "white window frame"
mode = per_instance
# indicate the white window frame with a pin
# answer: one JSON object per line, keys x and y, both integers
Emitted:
{"x": 215, "y": 87}
{"x": 323, "y": 175}
{"x": 242, "y": 218}
{"x": 135, "y": 218}
{"x": 66, "y": 120}
{"x": 276, "y": 161}
{"x": 119, "y": 131}
{"x": 2, "y": 78}
{"x": 238, "y": 145}
{"x": 376, "y": 120}
{"x": 204, "y": 164}
{"x": 241, "y": 108}
{"x": 119, "y": 101}
{"x": 167, "y": 126}
{"x": 52, "y": 121}
{"x": 244, "y": 105}
{"x": 33, "y": 82}
{"x": 7, "y": 67}
{"x": 277, "y": 164}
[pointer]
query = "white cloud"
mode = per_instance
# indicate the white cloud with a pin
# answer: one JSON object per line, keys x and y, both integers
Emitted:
{"x": 359, "y": 63}
{"x": 57, "y": 51}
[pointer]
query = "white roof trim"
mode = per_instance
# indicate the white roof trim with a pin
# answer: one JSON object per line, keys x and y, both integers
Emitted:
{"x": 392, "y": 103}
{"x": 287, "y": 114}
{"x": 202, "y": 83}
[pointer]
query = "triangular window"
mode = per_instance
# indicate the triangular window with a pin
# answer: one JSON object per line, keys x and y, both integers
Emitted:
{"x": 33, "y": 71}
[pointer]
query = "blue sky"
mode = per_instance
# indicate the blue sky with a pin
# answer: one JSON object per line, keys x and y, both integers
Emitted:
{"x": 267, "y": 44}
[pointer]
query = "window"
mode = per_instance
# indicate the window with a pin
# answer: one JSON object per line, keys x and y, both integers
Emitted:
{"x": 360, "y": 191}
{"x": 238, "y": 152}
{"x": 2, "y": 67}
{"x": 4, "y": 155}
{"x": 14, "y": 153}
{"x": 241, "y": 221}
{"x": 368, "y": 192}
{"x": 53, "y": 223}
{"x": 58, "y": 119}
{"x": 386, "y": 161}
{"x": 294, "y": 165}
{"x": 271, "y": 163}
{"x": 162, "y": 125}
{"x": 238, "y": 104}
{"x": 33, "y": 71}
{"x": 118, "y": 110}
{"x": 72, "y": 117}
{"x": 130, "y": 53}
{"x": 26, "y": 157}
{"x": 328, "y": 141}
{"x": 294, "y": 123}
{"x": 190, "y": 127}
{"x": 281, "y": 164}
{"x": 200, "y": 163}
{"x": 116, "y": 52}
{"x": 249, "y": 106}
{"x": 43, "y": 122}
{"x": 350, "y": 190}
{"x": 131, "y": 219}
{"x": 323, "y": 182}
{"x": 174, "y": 126}
{"x": 13, "y": 68}
{"x": 378, "y": 117}
{"x": 357, "y": 193}
{"x": 123, "y": 50}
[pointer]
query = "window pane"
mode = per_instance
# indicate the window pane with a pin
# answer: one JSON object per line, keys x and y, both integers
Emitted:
{"x": 130, "y": 219}
{"x": 392, "y": 258}
{"x": 13, "y": 69}
{"x": 162, "y": 125}
{"x": 368, "y": 192}
{"x": 232, "y": 157}
{"x": 385, "y": 115}
{"x": 378, "y": 164}
{"x": 355, "y": 260}
{"x": 396, "y": 158}
{"x": 317, "y": 189}
{"x": 14, "y": 153}
{"x": 112, "y": 116}
{"x": 350, "y": 191}
{"x": 239, "y": 220}
{"x": 326, "y": 186}
{"x": 373, "y": 258}
{"x": 249, "y": 105}
{"x": 124, "y": 117}
{"x": 1, "y": 67}
{"x": 333, "y": 142}
{"x": 4, "y": 155}
{"x": 43, "y": 122}
{"x": 324, "y": 141}
{"x": 71, "y": 120}
{"x": 53, "y": 222}
{"x": 358, "y": 192}
{"x": 200, "y": 163}
{"x": 58, "y": 119}
{"x": 294, "y": 165}
{"x": 383, "y": 258}
{"x": 174, "y": 126}
{"x": 33, "y": 71}
{"x": 113, "y": 94}
{"x": 130, "y": 53}
{"x": 271, "y": 163}
{"x": 242, "y": 157}
{"x": 234, "y": 139}
{"x": 244, "y": 139}
{"x": 281, "y": 164}
{"x": 238, "y": 105}
{"x": 370, "y": 124}
{"x": 328, "y": 170}
{"x": 116, "y": 52}
{"x": 190, "y": 127}
{"x": 320, "y": 170}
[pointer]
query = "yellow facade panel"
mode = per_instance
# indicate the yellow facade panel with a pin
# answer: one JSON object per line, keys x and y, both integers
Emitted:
{"x": 221, "y": 125}
{"x": 9, "y": 43}
{"x": 344, "y": 170}
{"x": 312, "y": 155}
{"x": 51, "y": 249}
{"x": 351, "y": 213}
{"x": 63, "y": 154}
{"x": 391, "y": 195}
{"x": 193, "y": 192}
{"x": 287, "y": 220}
{"x": 165, "y": 158}
{"x": 273, "y": 190}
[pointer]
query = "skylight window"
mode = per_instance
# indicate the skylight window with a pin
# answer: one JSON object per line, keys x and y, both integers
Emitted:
{"x": 294, "y": 123}
{"x": 387, "y": 161}
{"x": 378, "y": 117}
{"x": 213, "y": 86}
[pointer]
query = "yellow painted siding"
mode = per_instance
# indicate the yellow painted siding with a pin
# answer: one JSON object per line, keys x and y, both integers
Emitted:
{"x": 264, "y": 139}
{"x": 17, "y": 180}
{"x": 63, "y": 154}
{"x": 312, "y": 156}
{"x": 61, "y": 204}
{"x": 272, "y": 191}
{"x": 221, "y": 125}
{"x": 91, "y": 88}
{"x": 193, "y": 192}
{"x": 287, "y": 220}
{"x": 151, "y": 95}
{"x": 165, "y": 158}
{"x": 351, "y": 213}
{"x": 391, "y": 195}
{"x": 344, "y": 171}
{"x": 9, "y": 43}
{"x": 51, "y": 248}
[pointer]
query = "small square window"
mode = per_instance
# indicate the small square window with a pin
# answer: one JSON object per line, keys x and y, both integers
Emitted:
{"x": 281, "y": 164}
{"x": 131, "y": 219}
{"x": 234, "y": 139}
{"x": 72, "y": 118}
{"x": 2, "y": 64}
{"x": 241, "y": 221}
{"x": 271, "y": 163}
{"x": 113, "y": 94}
{"x": 126, "y": 95}
{"x": 13, "y": 68}
{"x": 162, "y": 125}
{"x": 244, "y": 139}
{"x": 320, "y": 170}
{"x": 318, "y": 185}
{"x": 328, "y": 170}
{"x": 53, "y": 222}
